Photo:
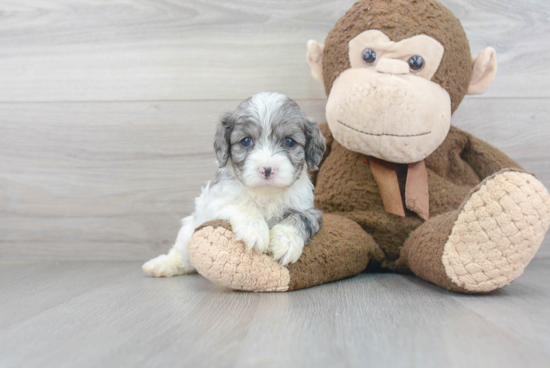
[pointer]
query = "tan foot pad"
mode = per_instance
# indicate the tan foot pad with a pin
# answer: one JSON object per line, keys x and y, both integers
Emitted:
{"x": 497, "y": 233}
{"x": 222, "y": 259}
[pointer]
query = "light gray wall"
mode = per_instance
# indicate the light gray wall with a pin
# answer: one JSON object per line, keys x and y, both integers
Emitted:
{"x": 108, "y": 108}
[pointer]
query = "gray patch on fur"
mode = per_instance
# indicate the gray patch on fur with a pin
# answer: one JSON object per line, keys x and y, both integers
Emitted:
{"x": 272, "y": 117}
{"x": 222, "y": 145}
{"x": 308, "y": 222}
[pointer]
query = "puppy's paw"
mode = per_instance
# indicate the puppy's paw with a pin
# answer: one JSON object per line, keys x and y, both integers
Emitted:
{"x": 165, "y": 266}
{"x": 254, "y": 234}
{"x": 286, "y": 243}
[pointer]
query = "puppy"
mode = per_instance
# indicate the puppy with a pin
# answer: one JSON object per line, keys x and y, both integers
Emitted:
{"x": 264, "y": 150}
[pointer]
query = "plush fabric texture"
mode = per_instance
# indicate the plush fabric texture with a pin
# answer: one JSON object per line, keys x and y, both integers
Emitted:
{"x": 357, "y": 231}
{"x": 487, "y": 217}
{"x": 401, "y": 19}
{"x": 498, "y": 232}
{"x": 416, "y": 188}
{"x": 396, "y": 118}
{"x": 483, "y": 71}
{"x": 432, "y": 52}
{"x": 346, "y": 186}
{"x": 486, "y": 243}
{"x": 340, "y": 250}
{"x": 423, "y": 251}
{"x": 219, "y": 257}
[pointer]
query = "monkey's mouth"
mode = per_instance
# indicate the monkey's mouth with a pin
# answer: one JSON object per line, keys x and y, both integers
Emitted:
{"x": 384, "y": 134}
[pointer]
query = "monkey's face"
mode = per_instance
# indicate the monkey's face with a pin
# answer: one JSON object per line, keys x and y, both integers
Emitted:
{"x": 386, "y": 105}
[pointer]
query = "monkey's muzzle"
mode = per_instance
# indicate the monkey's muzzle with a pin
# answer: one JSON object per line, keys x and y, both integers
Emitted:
{"x": 399, "y": 118}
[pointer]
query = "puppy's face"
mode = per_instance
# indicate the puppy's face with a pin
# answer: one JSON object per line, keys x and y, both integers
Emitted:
{"x": 268, "y": 140}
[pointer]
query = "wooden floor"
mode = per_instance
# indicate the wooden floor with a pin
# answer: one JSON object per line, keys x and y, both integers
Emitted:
{"x": 108, "y": 314}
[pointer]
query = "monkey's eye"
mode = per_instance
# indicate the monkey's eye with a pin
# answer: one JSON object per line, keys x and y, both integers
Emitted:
{"x": 369, "y": 56}
{"x": 246, "y": 142}
{"x": 416, "y": 63}
{"x": 289, "y": 142}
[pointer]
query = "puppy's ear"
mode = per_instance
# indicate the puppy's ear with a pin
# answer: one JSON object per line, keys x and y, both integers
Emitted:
{"x": 315, "y": 145}
{"x": 222, "y": 144}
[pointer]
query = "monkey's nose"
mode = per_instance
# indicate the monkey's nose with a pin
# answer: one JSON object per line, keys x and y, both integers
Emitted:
{"x": 392, "y": 66}
{"x": 266, "y": 171}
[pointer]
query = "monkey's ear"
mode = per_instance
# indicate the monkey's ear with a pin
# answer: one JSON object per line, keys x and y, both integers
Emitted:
{"x": 315, "y": 59}
{"x": 222, "y": 143}
{"x": 484, "y": 70}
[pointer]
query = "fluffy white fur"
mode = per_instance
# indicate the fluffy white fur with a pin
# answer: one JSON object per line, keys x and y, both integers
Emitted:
{"x": 253, "y": 203}
{"x": 251, "y": 212}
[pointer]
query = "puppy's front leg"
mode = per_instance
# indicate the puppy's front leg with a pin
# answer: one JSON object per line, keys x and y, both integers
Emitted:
{"x": 249, "y": 226}
{"x": 288, "y": 237}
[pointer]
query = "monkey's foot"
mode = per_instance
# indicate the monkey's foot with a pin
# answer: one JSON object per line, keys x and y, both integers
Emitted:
{"x": 497, "y": 232}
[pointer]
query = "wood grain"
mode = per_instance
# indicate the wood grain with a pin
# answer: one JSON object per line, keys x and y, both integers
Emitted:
{"x": 520, "y": 308}
{"x": 112, "y": 180}
{"x": 103, "y": 180}
{"x": 88, "y": 50}
{"x": 111, "y": 315}
{"x": 29, "y": 288}
{"x": 107, "y": 113}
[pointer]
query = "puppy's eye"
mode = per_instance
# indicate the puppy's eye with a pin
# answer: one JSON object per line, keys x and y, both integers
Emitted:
{"x": 416, "y": 63}
{"x": 289, "y": 142}
{"x": 369, "y": 56}
{"x": 246, "y": 142}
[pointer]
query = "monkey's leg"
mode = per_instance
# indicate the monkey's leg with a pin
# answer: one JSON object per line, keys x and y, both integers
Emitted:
{"x": 341, "y": 249}
{"x": 487, "y": 243}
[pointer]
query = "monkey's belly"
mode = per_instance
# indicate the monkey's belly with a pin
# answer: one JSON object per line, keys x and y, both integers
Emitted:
{"x": 346, "y": 186}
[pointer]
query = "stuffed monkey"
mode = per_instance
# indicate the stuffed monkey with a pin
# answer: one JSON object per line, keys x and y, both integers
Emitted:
{"x": 402, "y": 190}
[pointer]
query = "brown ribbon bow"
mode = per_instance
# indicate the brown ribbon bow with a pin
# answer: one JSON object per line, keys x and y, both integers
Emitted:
{"x": 417, "y": 196}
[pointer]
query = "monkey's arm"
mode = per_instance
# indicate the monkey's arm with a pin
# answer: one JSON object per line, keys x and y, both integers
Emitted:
{"x": 486, "y": 159}
{"x": 341, "y": 249}
{"x": 328, "y": 140}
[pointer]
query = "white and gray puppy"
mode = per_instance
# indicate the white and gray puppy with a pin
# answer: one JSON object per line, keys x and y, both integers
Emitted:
{"x": 264, "y": 149}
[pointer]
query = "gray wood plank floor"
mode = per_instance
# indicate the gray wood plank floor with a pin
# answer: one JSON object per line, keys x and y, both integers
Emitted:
{"x": 109, "y": 314}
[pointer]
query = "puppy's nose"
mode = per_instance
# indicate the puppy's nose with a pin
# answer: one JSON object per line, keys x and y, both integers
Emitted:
{"x": 266, "y": 171}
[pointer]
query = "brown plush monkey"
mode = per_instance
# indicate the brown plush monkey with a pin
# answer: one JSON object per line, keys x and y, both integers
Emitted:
{"x": 402, "y": 190}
